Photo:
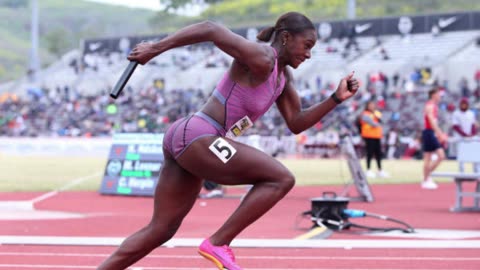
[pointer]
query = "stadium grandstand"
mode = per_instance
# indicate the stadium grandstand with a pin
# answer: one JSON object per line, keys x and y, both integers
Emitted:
{"x": 397, "y": 60}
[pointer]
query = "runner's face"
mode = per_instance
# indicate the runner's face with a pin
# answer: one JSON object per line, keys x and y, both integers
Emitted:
{"x": 299, "y": 47}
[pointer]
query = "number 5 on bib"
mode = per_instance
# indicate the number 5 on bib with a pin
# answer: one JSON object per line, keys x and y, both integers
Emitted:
{"x": 222, "y": 149}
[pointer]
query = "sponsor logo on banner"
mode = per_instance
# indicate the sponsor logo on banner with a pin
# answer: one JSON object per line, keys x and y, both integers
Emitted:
{"x": 444, "y": 23}
{"x": 252, "y": 34}
{"x": 324, "y": 30}
{"x": 405, "y": 25}
{"x": 360, "y": 28}
{"x": 94, "y": 46}
{"x": 124, "y": 44}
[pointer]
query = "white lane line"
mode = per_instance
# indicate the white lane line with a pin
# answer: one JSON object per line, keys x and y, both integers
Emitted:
{"x": 57, "y": 266}
{"x": 249, "y": 243}
{"x": 53, "y": 266}
{"x": 67, "y": 186}
{"x": 306, "y": 258}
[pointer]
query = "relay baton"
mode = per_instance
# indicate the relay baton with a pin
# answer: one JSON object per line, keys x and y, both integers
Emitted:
{"x": 123, "y": 79}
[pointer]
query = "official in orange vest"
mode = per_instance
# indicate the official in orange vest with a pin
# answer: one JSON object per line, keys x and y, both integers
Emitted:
{"x": 372, "y": 133}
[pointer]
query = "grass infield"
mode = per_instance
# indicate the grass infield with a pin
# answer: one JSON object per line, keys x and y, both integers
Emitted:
{"x": 43, "y": 173}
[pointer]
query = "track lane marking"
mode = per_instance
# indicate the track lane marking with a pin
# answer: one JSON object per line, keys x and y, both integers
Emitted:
{"x": 248, "y": 243}
{"x": 349, "y": 258}
{"x": 67, "y": 186}
{"x": 53, "y": 266}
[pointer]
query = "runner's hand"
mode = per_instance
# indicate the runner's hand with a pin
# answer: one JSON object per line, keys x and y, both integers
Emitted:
{"x": 142, "y": 52}
{"x": 442, "y": 137}
{"x": 347, "y": 88}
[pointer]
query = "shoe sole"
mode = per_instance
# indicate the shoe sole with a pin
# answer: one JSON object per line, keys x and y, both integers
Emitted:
{"x": 212, "y": 259}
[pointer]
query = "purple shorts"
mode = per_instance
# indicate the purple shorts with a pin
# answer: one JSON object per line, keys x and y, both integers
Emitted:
{"x": 185, "y": 131}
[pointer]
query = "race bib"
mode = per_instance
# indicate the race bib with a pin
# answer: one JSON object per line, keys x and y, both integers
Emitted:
{"x": 222, "y": 149}
{"x": 239, "y": 127}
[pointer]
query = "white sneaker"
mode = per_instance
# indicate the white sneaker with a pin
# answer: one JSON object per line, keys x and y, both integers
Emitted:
{"x": 383, "y": 174}
{"x": 371, "y": 174}
{"x": 216, "y": 193}
{"x": 429, "y": 184}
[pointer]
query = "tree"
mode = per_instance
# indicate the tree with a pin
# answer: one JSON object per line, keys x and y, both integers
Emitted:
{"x": 14, "y": 3}
{"x": 171, "y": 5}
{"x": 57, "y": 41}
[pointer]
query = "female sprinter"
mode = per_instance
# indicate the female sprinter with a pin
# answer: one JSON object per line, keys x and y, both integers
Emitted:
{"x": 200, "y": 146}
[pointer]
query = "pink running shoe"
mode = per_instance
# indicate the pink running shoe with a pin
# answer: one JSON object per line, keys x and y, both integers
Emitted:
{"x": 221, "y": 256}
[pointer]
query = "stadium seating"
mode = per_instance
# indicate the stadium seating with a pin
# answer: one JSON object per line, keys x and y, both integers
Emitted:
{"x": 188, "y": 70}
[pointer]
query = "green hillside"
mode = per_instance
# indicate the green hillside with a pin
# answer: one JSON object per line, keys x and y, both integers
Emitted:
{"x": 238, "y": 13}
{"x": 62, "y": 25}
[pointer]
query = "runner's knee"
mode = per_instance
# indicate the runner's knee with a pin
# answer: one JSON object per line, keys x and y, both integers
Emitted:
{"x": 287, "y": 181}
{"x": 162, "y": 232}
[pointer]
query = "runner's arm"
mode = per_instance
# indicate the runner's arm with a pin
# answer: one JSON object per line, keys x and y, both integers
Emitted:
{"x": 258, "y": 58}
{"x": 433, "y": 121}
{"x": 298, "y": 119}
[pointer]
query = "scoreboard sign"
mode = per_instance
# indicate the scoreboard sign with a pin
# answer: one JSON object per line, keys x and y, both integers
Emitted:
{"x": 133, "y": 165}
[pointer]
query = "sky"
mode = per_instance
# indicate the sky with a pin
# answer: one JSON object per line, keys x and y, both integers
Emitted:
{"x": 148, "y": 4}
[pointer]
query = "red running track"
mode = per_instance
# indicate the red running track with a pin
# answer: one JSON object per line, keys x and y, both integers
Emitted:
{"x": 120, "y": 216}
{"x": 74, "y": 257}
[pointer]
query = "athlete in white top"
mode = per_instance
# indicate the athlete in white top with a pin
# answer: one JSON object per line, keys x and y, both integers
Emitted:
{"x": 463, "y": 121}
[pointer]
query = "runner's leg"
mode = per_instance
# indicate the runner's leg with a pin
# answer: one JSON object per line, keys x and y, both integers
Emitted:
{"x": 175, "y": 195}
{"x": 270, "y": 179}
